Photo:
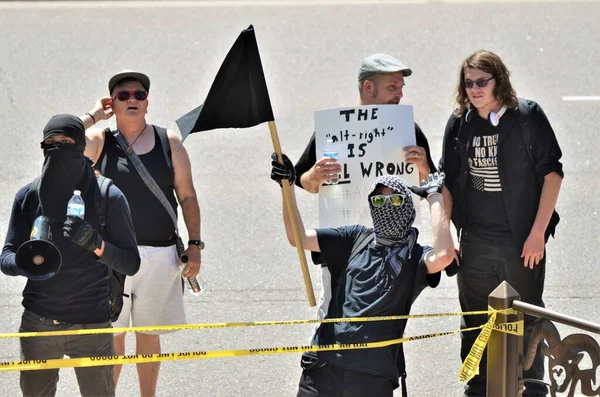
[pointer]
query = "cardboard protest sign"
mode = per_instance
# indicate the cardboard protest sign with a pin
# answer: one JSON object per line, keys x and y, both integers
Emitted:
{"x": 369, "y": 140}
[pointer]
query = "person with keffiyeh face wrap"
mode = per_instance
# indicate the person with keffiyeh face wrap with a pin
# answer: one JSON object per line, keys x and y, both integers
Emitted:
{"x": 381, "y": 278}
{"x": 393, "y": 225}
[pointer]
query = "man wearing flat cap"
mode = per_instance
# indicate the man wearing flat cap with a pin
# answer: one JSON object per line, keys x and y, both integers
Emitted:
{"x": 157, "y": 287}
{"x": 77, "y": 295}
{"x": 380, "y": 82}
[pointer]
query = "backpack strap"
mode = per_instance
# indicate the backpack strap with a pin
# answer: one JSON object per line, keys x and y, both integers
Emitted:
{"x": 103, "y": 155}
{"x": 526, "y": 130}
{"x": 166, "y": 146}
{"x": 363, "y": 240}
{"x": 101, "y": 202}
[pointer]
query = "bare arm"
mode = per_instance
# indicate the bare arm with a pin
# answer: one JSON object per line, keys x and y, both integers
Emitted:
{"x": 548, "y": 199}
{"x": 533, "y": 249}
{"x": 447, "y": 202}
{"x": 308, "y": 237}
{"x": 443, "y": 246}
{"x": 187, "y": 198}
{"x": 309, "y": 183}
{"x": 94, "y": 142}
{"x": 94, "y": 137}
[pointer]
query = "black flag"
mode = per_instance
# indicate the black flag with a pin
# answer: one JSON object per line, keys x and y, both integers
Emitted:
{"x": 238, "y": 98}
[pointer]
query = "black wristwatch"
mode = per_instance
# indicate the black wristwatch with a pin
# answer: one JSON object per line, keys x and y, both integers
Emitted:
{"x": 197, "y": 243}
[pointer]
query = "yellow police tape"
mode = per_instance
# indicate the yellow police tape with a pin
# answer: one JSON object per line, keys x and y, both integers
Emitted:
{"x": 470, "y": 366}
{"x": 246, "y": 324}
{"x": 28, "y": 365}
{"x": 513, "y": 328}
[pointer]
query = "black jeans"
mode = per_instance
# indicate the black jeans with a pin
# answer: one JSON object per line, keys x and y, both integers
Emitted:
{"x": 93, "y": 381}
{"x": 331, "y": 381}
{"x": 484, "y": 265}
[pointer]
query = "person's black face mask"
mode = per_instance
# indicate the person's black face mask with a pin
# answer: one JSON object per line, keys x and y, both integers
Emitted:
{"x": 63, "y": 168}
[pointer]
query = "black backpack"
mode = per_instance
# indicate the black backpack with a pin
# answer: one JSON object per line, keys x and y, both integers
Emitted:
{"x": 116, "y": 280}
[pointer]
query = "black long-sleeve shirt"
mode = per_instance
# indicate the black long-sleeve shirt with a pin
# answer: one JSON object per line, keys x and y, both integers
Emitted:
{"x": 78, "y": 292}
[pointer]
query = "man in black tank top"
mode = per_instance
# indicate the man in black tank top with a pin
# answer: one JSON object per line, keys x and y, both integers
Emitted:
{"x": 157, "y": 286}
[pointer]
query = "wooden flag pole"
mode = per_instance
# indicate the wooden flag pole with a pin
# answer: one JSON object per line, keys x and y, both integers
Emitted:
{"x": 287, "y": 196}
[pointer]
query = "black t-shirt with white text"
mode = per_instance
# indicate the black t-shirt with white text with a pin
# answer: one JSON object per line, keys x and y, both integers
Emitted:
{"x": 486, "y": 213}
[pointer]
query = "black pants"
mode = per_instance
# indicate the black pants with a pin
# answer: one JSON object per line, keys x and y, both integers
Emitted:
{"x": 93, "y": 381}
{"x": 332, "y": 381}
{"x": 484, "y": 265}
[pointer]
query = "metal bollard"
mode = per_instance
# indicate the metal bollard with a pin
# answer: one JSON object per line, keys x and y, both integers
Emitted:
{"x": 504, "y": 351}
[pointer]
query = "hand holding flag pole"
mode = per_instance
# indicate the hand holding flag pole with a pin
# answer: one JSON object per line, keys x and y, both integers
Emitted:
{"x": 238, "y": 98}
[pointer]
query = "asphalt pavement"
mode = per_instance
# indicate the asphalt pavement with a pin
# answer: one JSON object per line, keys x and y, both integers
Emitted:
{"x": 57, "y": 58}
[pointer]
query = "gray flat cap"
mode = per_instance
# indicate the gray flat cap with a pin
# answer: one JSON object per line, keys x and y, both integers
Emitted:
{"x": 381, "y": 63}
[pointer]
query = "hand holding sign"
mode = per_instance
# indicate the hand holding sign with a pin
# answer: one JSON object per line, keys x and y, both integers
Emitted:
{"x": 417, "y": 156}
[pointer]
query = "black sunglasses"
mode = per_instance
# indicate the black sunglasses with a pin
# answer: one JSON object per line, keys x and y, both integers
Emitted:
{"x": 124, "y": 95}
{"x": 479, "y": 83}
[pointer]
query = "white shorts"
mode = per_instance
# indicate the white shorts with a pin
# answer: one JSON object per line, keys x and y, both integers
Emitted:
{"x": 155, "y": 291}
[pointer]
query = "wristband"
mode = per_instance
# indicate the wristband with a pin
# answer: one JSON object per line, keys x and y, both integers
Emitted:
{"x": 434, "y": 194}
{"x": 92, "y": 117}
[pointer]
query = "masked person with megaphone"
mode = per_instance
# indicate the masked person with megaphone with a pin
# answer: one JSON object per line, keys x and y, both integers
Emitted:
{"x": 73, "y": 293}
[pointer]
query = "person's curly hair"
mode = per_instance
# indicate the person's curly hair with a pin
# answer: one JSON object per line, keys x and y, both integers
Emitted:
{"x": 490, "y": 63}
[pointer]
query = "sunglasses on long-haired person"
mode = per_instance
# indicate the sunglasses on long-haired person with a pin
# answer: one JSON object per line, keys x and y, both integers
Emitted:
{"x": 124, "y": 95}
{"x": 479, "y": 83}
{"x": 394, "y": 199}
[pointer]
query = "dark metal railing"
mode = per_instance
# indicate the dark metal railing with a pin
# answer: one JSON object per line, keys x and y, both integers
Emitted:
{"x": 540, "y": 312}
{"x": 505, "y": 351}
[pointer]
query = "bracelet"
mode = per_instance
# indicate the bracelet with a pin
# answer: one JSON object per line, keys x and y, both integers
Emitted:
{"x": 92, "y": 117}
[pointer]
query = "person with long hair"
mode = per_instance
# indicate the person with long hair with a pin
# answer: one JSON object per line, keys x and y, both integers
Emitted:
{"x": 503, "y": 176}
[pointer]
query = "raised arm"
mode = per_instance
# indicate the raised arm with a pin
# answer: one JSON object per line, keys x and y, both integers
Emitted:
{"x": 285, "y": 173}
{"x": 443, "y": 246}
{"x": 94, "y": 137}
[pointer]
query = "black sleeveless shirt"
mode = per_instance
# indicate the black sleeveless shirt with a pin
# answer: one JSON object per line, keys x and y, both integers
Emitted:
{"x": 153, "y": 225}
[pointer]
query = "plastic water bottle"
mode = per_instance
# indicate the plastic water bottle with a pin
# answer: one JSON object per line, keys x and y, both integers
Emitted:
{"x": 195, "y": 287}
{"x": 331, "y": 152}
{"x": 76, "y": 206}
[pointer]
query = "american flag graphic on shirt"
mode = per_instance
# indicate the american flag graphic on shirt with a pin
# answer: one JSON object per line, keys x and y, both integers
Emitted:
{"x": 483, "y": 164}
{"x": 485, "y": 179}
